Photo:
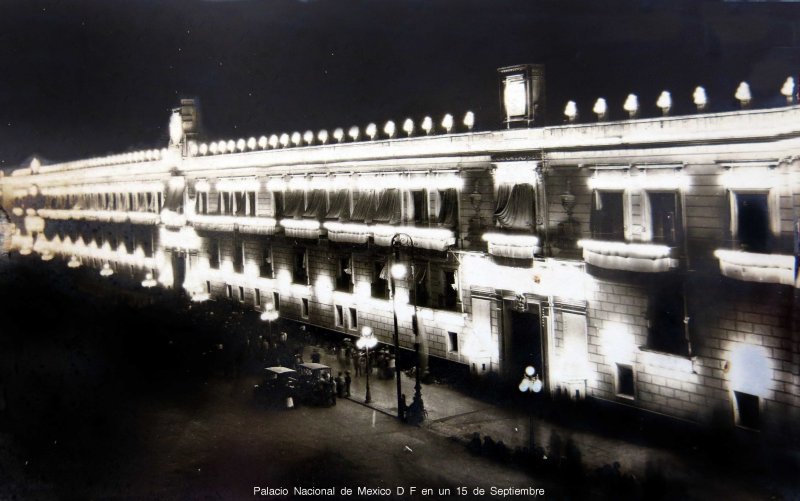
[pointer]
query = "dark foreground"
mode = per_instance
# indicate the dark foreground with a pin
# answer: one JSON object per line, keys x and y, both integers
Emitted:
{"x": 112, "y": 391}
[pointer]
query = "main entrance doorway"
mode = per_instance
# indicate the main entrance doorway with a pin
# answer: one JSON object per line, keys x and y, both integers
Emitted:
{"x": 524, "y": 342}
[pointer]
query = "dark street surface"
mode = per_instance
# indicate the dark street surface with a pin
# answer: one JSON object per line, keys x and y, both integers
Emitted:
{"x": 109, "y": 390}
{"x": 121, "y": 398}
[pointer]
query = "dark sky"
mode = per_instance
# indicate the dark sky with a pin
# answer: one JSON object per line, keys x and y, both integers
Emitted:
{"x": 89, "y": 77}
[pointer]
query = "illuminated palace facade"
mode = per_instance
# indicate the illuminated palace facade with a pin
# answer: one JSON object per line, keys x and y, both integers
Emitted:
{"x": 646, "y": 262}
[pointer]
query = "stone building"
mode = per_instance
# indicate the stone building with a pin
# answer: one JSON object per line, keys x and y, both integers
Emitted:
{"x": 648, "y": 262}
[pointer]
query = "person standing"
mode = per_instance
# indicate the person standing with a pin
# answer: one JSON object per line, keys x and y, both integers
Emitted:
{"x": 357, "y": 363}
{"x": 347, "y": 381}
{"x": 339, "y": 386}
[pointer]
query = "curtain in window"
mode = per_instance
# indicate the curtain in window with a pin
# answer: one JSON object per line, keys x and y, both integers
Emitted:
{"x": 388, "y": 207}
{"x": 316, "y": 205}
{"x": 240, "y": 203}
{"x": 340, "y": 206}
{"x": 174, "y": 198}
{"x": 364, "y": 209}
{"x": 515, "y": 206}
{"x": 448, "y": 209}
{"x": 294, "y": 204}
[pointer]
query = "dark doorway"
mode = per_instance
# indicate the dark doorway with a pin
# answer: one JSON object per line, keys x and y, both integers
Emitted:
{"x": 178, "y": 270}
{"x": 525, "y": 344}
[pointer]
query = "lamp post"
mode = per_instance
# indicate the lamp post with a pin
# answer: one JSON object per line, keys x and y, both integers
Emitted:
{"x": 530, "y": 384}
{"x": 416, "y": 411}
{"x": 367, "y": 341}
{"x": 269, "y": 315}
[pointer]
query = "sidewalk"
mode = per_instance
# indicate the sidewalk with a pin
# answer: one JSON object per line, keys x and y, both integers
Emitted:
{"x": 453, "y": 414}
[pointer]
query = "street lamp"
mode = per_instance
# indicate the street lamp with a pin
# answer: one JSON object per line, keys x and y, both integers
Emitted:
{"x": 149, "y": 281}
{"x": 530, "y": 384}
{"x": 416, "y": 411}
{"x": 269, "y": 315}
{"x": 367, "y": 341}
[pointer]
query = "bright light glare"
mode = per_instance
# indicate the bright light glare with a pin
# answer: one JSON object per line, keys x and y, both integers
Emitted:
{"x": 399, "y": 271}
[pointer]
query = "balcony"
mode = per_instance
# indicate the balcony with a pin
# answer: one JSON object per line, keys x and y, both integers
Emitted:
{"x": 637, "y": 257}
{"x": 424, "y": 238}
{"x": 301, "y": 228}
{"x": 513, "y": 246}
{"x": 251, "y": 225}
{"x": 755, "y": 267}
{"x": 351, "y": 233}
{"x": 106, "y": 216}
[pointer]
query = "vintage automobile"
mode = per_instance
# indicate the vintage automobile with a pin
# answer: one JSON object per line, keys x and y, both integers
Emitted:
{"x": 279, "y": 384}
{"x": 314, "y": 384}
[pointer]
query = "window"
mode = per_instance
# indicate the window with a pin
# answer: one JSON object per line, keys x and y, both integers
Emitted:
{"x": 353, "y": 318}
{"x": 667, "y": 330}
{"x": 624, "y": 383}
{"x": 665, "y": 218}
{"x": 448, "y": 208}
{"x": 241, "y": 294}
{"x": 228, "y": 291}
{"x": 146, "y": 241}
{"x": 339, "y": 316}
{"x": 453, "y": 338}
{"x": 238, "y": 257}
{"x": 747, "y": 410}
{"x": 225, "y": 205}
{"x": 515, "y": 206}
{"x": 266, "y": 270}
{"x": 201, "y": 203}
{"x": 420, "y": 295}
{"x": 276, "y": 300}
{"x": 213, "y": 254}
{"x": 388, "y": 207}
{"x": 240, "y": 203}
{"x": 608, "y": 216}
{"x": 304, "y": 307}
{"x": 448, "y": 299}
{"x": 277, "y": 204}
{"x": 300, "y": 266}
{"x": 418, "y": 207}
{"x": 257, "y": 297}
{"x": 251, "y": 203}
{"x": 752, "y": 221}
{"x": 380, "y": 279}
{"x": 344, "y": 275}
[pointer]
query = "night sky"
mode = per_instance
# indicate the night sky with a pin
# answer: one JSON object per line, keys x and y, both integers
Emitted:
{"x": 90, "y": 77}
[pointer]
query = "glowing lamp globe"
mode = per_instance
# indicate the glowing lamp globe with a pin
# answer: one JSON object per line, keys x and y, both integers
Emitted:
{"x": 148, "y": 281}
{"x": 788, "y": 89}
{"x": 571, "y": 111}
{"x": 389, "y": 129}
{"x": 530, "y": 371}
{"x": 338, "y": 134}
{"x": 263, "y": 142}
{"x": 427, "y": 125}
{"x": 447, "y": 122}
{"x": 297, "y": 139}
{"x": 408, "y": 126}
{"x": 664, "y": 102}
{"x": 469, "y": 120}
{"x": 252, "y": 143}
{"x": 524, "y": 385}
{"x": 322, "y": 136}
{"x": 631, "y": 105}
{"x": 398, "y": 271}
{"x": 232, "y": 145}
{"x": 74, "y": 262}
{"x": 241, "y": 144}
{"x": 284, "y": 140}
{"x": 106, "y": 271}
{"x": 353, "y": 133}
{"x": 371, "y": 131}
{"x": 308, "y": 137}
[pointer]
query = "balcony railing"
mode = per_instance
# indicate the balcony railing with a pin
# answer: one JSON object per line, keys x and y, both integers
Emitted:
{"x": 638, "y": 257}
{"x": 755, "y": 267}
{"x": 106, "y": 216}
{"x": 246, "y": 224}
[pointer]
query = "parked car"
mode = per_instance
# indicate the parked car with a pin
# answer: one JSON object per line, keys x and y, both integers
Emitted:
{"x": 314, "y": 384}
{"x": 279, "y": 384}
